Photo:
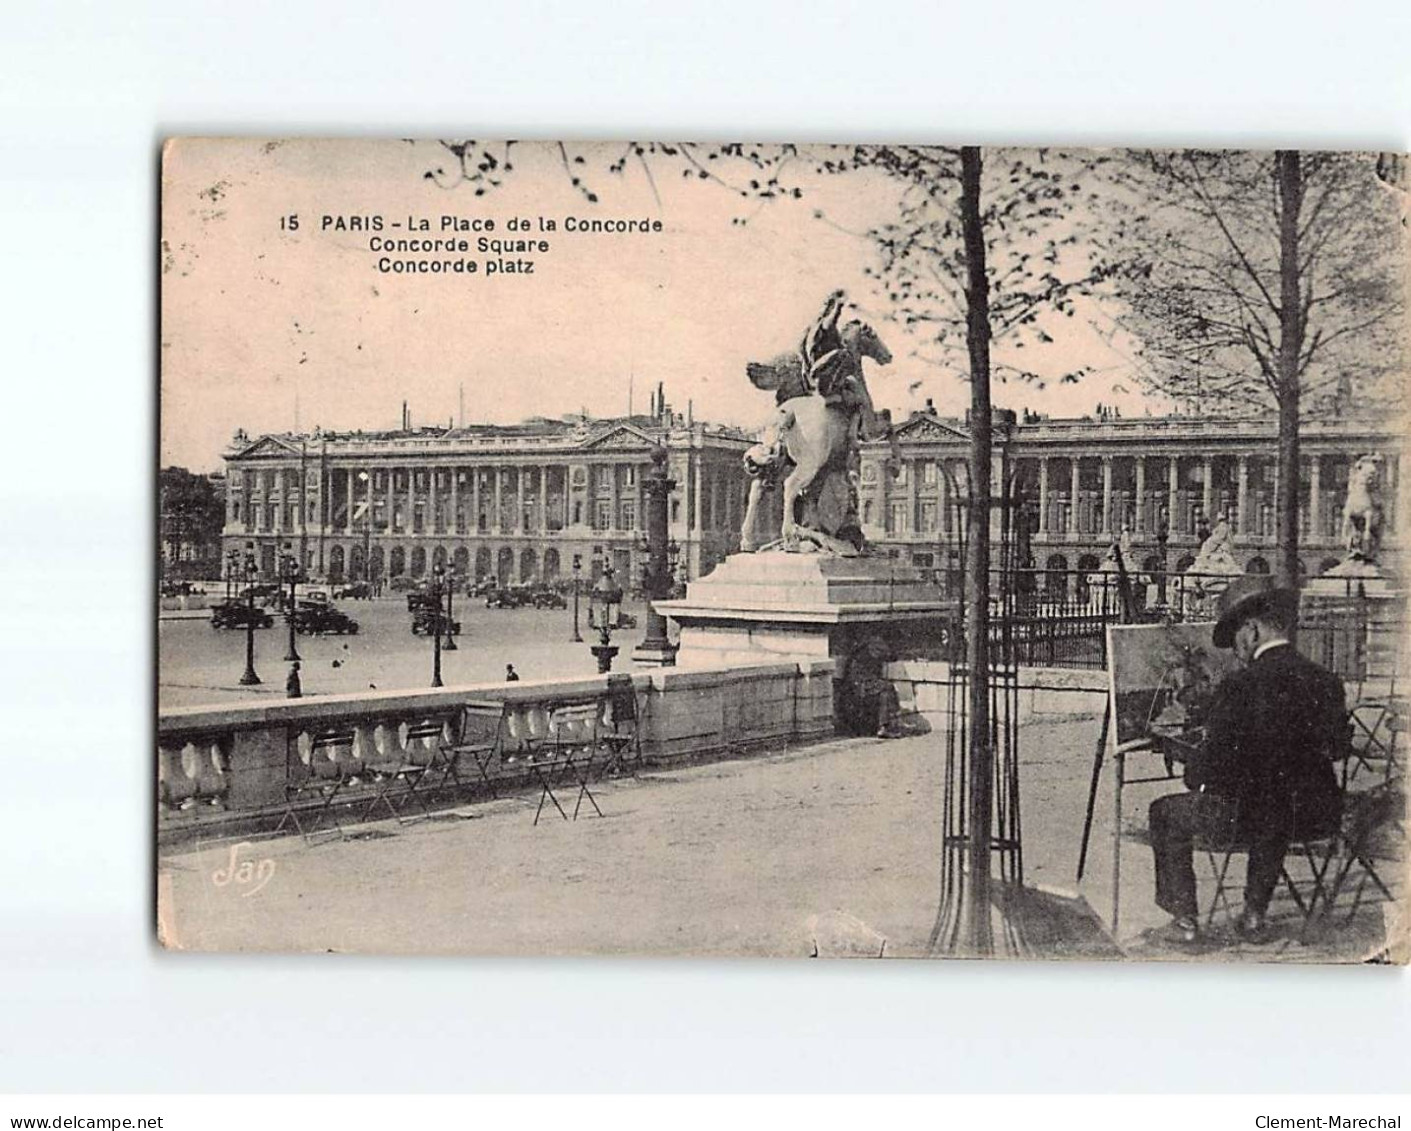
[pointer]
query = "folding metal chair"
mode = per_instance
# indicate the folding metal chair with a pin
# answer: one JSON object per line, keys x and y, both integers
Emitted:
{"x": 484, "y": 729}
{"x": 574, "y": 728}
{"x": 1377, "y": 740}
{"x": 315, "y": 767}
{"x": 1317, "y": 852}
{"x": 620, "y": 723}
{"x": 1373, "y": 828}
{"x": 396, "y": 770}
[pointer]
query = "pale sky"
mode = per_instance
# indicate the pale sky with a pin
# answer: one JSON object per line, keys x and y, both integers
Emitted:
{"x": 255, "y": 318}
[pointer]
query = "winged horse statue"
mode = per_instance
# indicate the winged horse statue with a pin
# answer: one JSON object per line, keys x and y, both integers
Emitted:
{"x": 810, "y": 443}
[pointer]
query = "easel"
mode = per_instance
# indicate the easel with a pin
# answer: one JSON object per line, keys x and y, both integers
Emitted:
{"x": 1119, "y": 754}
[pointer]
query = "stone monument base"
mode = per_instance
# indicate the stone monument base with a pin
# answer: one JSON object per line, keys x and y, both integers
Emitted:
{"x": 772, "y": 604}
{"x": 1353, "y": 577}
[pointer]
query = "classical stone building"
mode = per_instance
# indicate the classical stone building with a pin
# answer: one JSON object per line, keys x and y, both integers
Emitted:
{"x": 1084, "y": 481}
{"x": 517, "y": 502}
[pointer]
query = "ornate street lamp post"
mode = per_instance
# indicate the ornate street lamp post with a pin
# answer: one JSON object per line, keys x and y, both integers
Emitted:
{"x": 367, "y": 532}
{"x": 450, "y": 643}
{"x": 1163, "y": 532}
{"x": 604, "y": 613}
{"x": 250, "y": 678}
{"x": 436, "y": 575}
{"x": 291, "y": 575}
{"x": 656, "y": 647}
{"x": 577, "y": 571}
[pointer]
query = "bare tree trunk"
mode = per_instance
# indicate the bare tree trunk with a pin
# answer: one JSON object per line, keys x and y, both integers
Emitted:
{"x": 1290, "y": 173}
{"x": 975, "y": 934}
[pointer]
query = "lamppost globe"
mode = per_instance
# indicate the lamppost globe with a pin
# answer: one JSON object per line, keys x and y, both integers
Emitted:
{"x": 605, "y": 614}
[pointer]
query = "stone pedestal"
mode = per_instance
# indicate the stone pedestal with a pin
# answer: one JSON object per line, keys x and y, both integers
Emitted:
{"x": 752, "y": 607}
{"x": 1353, "y": 577}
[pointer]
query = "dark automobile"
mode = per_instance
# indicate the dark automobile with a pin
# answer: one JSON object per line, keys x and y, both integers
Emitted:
{"x": 513, "y": 598}
{"x": 357, "y": 591}
{"x": 481, "y": 586}
{"x": 549, "y": 599}
{"x": 424, "y": 621}
{"x": 420, "y": 599}
{"x": 317, "y": 618}
{"x": 237, "y": 614}
{"x": 401, "y": 583}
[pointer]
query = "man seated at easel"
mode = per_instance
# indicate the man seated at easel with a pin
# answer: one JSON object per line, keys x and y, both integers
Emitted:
{"x": 1264, "y": 776}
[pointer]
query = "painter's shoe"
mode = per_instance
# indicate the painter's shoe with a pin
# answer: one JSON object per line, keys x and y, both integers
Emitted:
{"x": 1252, "y": 928}
{"x": 1183, "y": 931}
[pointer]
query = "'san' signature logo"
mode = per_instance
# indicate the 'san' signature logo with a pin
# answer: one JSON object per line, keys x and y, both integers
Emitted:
{"x": 250, "y": 875}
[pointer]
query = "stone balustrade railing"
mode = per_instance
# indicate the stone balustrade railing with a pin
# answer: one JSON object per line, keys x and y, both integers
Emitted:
{"x": 222, "y": 761}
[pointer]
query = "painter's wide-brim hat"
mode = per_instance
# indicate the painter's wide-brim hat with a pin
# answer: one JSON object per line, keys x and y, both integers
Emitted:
{"x": 1245, "y": 597}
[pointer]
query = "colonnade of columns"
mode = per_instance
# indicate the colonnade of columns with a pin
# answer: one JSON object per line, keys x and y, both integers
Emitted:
{"x": 1102, "y": 495}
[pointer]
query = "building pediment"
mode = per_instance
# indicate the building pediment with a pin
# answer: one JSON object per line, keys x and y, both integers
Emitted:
{"x": 926, "y": 428}
{"x": 266, "y": 447}
{"x": 620, "y": 437}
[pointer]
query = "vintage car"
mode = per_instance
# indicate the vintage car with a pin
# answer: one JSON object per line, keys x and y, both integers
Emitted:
{"x": 317, "y": 617}
{"x": 515, "y": 597}
{"x": 356, "y": 590}
{"x": 401, "y": 583}
{"x": 420, "y": 599}
{"x": 237, "y": 614}
{"x": 424, "y": 619}
{"x": 546, "y": 598}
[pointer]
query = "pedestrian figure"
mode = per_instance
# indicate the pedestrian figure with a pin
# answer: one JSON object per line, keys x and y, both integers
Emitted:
{"x": 511, "y": 676}
{"x": 293, "y": 689}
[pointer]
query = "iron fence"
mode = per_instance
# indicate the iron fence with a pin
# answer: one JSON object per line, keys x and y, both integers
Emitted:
{"x": 1050, "y": 618}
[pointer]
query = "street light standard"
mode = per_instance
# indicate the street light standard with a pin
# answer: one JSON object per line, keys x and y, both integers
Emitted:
{"x": 450, "y": 643}
{"x": 436, "y": 575}
{"x": 250, "y": 678}
{"x": 604, "y": 614}
{"x": 656, "y": 647}
{"x": 577, "y": 571}
{"x": 291, "y": 575}
{"x": 1163, "y": 533}
{"x": 367, "y": 530}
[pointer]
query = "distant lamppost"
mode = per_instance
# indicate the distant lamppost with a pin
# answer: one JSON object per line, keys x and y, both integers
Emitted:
{"x": 604, "y": 614}
{"x": 250, "y": 678}
{"x": 450, "y": 644}
{"x": 1163, "y": 533}
{"x": 436, "y": 576}
{"x": 367, "y": 531}
{"x": 656, "y": 647}
{"x": 577, "y": 572}
{"x": 291, "y": 575}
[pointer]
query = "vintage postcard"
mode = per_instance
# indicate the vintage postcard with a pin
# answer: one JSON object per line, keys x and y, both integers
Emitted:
{"x": 716, "y": 549}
